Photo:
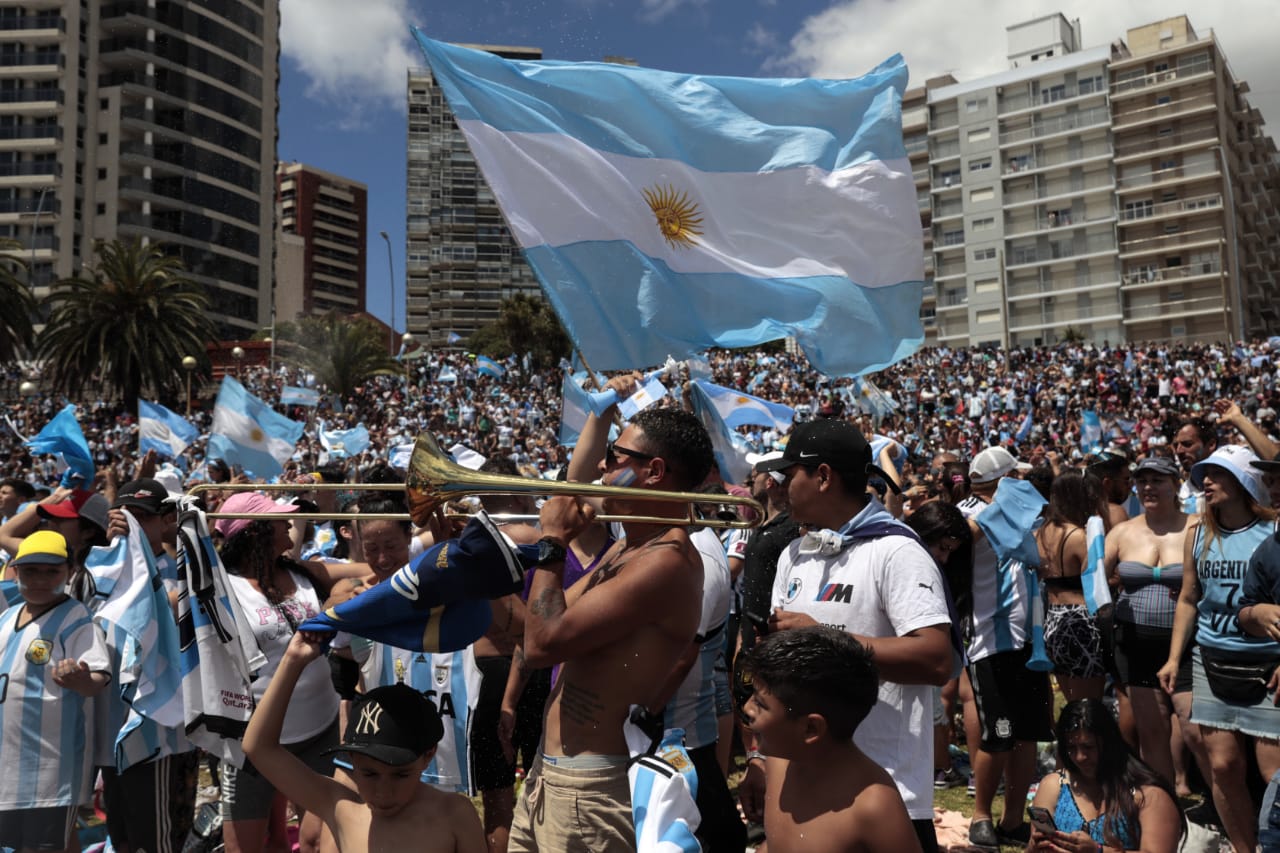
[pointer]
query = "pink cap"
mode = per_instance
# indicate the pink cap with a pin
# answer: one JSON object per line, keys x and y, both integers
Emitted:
{"x": 246, "y": 502}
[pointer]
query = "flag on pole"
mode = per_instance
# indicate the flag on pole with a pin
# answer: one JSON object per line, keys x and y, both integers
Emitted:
{"x": 647, "y": 203}
{"x": 730, "y": 448}
{"x": 739, "y": 409}
{"x": 1025, "y": 430}
{"x": 249, "y": 433}
{"x": 163, "y": 430}
{"x": 1090, "y": 432}
{"x": 63, "y": 437}
{"x": 488, "y": 367}
{"x": 293, "y": 396}
{"x": 574, "y": 408}
{"x": 454, "y": 338}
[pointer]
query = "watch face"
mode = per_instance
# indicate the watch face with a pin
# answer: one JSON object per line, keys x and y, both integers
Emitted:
{"x": 549, "y": 552}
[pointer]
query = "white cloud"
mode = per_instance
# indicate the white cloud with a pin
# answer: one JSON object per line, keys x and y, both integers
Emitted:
{"x": 968, "y": 39}
{"x": 761, "y": 39}
{"x": 653, "y": 11}
{"x": 354, "y": 55}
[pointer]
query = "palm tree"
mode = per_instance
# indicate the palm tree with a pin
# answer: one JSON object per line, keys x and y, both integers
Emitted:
{"x": 340, "y": 351}
{"x": 126, "y": 323}
{"x": 17, "y": 305}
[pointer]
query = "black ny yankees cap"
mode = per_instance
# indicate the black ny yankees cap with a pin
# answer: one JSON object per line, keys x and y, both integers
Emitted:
{"x": 395, "y": 725}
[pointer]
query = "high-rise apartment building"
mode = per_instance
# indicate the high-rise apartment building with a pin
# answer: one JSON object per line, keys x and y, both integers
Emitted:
{"x": 330, "y": 214}
{"x": 1121, "y": 192}
{"x": 151, "y": 119}
{"x": 461, "y": 259}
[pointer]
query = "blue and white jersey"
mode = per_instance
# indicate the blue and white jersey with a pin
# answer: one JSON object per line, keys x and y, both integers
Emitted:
{"x": 1000, "y": 599}
{"x": 1192, "y": 500}
{"x": 693, "y": 707}
{"x": 1221, "y": 565}
{"x": 45, "y": 731}
{"x": 451, "y": 680}
{"x": 145, "y": 740}
{"x": 322, "y": 544}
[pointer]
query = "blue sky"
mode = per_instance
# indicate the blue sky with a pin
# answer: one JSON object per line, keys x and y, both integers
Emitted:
{"x": 342, "y": 91}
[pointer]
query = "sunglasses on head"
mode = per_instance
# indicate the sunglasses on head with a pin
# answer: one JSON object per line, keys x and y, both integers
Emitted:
{"x": 613, "y": 450}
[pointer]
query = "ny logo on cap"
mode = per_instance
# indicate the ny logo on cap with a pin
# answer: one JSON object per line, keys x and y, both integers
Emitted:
{"x": 370, "y": 719}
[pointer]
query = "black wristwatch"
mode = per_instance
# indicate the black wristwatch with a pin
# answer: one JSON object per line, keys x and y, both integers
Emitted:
{"x": 549, "y": 551}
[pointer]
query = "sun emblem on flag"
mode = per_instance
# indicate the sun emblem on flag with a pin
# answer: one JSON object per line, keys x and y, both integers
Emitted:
{"x": 678, "y": 215}
{"x": 257, "y": 435}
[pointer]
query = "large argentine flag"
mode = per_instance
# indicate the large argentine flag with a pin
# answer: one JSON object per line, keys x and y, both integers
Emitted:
{"x": 667, "y": 213}
{"x": 739, "y": 409}
{"x": 163, "y": 430}
{"x": 249, "y": 433}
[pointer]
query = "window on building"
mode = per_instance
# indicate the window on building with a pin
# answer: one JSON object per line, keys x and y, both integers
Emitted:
{"x": 987, "y": 254}
{"x": 981, "y": 195}
{"x": 972, "y": 105}
{"x": 989, "y": 315}
{"x": 986, "y": 223}
{"x": 986, "y": 285}
{"x": 1055, "y": 93}
{"x": 980, "y": 164}
{"x": 980, "y": 134}
{"x": 1137, "y": 209}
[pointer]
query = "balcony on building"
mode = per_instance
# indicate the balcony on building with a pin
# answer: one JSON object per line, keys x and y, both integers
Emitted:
{"x": 1073, "y": 247}
{"x": 1177, "y": 141}
{"x": 1048, "y": 128}
{"x": 1040, "y": 159}
{"x": 1042, "y": 281}
{"x": 1131, "y": 179}
{"x": 1164, "y": 108}
{"x": 1179, "y": 241}
{"x": 38, "y": 27}
{"x": 1051, "y": 312}
{"x": 1048, "y": 189}
{"x": 1016, "y": 99}
{"x": 1130, "y": 82}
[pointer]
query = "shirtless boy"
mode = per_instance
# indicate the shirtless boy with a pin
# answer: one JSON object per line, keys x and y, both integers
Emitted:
{"x": 390, "y": 738}
{"x": 811, "y": 687}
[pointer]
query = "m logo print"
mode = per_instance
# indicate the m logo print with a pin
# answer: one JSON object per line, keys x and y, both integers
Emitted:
{"x": 837, "y": 592}
{"x": 370, "y": 719}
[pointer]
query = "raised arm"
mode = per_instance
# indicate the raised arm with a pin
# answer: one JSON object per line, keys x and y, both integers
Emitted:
{"x": 589, "y": 450}
{"x": 283, "y": 769}
{"x": 1229, "y": 413}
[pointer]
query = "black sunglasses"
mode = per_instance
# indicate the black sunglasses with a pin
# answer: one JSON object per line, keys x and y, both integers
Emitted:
{"x": 613, "y": 449}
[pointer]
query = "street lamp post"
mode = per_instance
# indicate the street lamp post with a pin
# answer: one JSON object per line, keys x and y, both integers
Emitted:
{"x": 35, "y": 235}
{"x": 27, "y": 388}
{"x": 238, "y": 354}
{"x": 189, "y": 365}
{"x": 405, "y": 340}
{"x": 391, "y": 270}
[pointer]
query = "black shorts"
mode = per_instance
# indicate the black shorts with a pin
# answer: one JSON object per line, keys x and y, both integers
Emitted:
{"x": 1141, "y": 651}
{"x": 150, "y": 806}
{"x": 1014, "y": 703}
{"x": 490, "y": 769}
{"x": 37, "y": 829}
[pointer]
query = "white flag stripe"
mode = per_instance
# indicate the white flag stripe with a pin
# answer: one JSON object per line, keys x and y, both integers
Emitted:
{"x": 246, "y": 432}
{"x": 872, "y": 202}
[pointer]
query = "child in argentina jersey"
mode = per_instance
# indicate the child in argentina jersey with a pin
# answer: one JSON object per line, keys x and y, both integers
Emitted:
{"x": 451, "y": 680}
{"x": 45, "y": 733}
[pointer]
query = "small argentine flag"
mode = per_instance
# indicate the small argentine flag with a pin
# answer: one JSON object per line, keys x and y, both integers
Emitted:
{"x": 249, "y": 433}
{"x": 489, "y": 367}
{"x": 740, "y": 409}
{"x": 163, "y": 430}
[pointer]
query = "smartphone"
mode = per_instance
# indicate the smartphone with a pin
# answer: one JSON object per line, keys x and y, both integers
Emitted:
{"x": 761, "y": 623}
{"x": 1042, "y": 819}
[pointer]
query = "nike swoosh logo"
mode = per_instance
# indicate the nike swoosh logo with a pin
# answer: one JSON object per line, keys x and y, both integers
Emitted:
{"x": 807, "y": 455}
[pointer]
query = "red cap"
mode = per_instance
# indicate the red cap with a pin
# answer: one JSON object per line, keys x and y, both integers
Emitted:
{"x": 68, "y": 508}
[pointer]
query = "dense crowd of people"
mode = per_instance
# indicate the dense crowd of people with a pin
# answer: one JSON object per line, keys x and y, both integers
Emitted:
{"x": 979, "y": 526}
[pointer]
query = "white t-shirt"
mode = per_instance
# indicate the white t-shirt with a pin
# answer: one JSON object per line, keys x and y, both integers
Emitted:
{"x": 884, "y": 587}
{"x": 693, "y": 707}
{"x": 314, "y": 704}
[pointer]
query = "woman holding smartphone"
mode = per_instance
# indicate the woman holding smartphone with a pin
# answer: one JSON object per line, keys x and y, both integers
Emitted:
{"x": 1104, "y": 797}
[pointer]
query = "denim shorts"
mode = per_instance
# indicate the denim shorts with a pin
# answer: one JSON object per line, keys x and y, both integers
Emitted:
{"x": 1261, "y": 720}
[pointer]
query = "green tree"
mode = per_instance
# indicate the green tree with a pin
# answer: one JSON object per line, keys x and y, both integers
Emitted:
{"x": 1072, "y": 335}
{"x": 340, "y": 351}
{"x": 524, "y": 324}
{"x": 126, "y": 323}
{"x": 17, "y": 305}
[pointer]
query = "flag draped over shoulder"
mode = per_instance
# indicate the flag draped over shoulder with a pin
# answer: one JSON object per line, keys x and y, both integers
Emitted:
{"x": 440, "y": 601}
{"x": 218, "y": 654}
{"x": 63, "y": 437}
{"x": 668, "y": 213}
{"x": 249, "y": 433}
{"x": 129, "y": 594}
{"x": 163, "y": 430}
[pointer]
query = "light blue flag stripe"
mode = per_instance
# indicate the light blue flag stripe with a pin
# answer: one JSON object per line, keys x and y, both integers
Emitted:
{"x": 489, "y": 367}
{"x": 345, "y": 442}
{"x": 843, "y": 328}
{"x": 742, "y": 409}
{"x": 729, "y": 459}
{"x": 63, "y": 436}
{"x": 291, "y": 395}
{"x": 716, "y": 124}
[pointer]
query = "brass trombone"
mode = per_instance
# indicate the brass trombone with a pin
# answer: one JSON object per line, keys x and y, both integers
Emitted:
{"x": 434, "y": 480}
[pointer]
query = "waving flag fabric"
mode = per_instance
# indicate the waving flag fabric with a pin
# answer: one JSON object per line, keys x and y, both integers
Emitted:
{"x": 163, "y": 430}
{"x": 741, "y": 409}
{"x": 342, "y": 443}
{"x": 1093, "y": 577}
{"x": 62, "y": 436}
{"x": 730, "y": 447}
{"x": 488, "y": 367}
{"x": 1090, "y": 432}
{"x": 249, "y": 433}
{"x": 666, "y": 213}
{"x": 292, "y": 395}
